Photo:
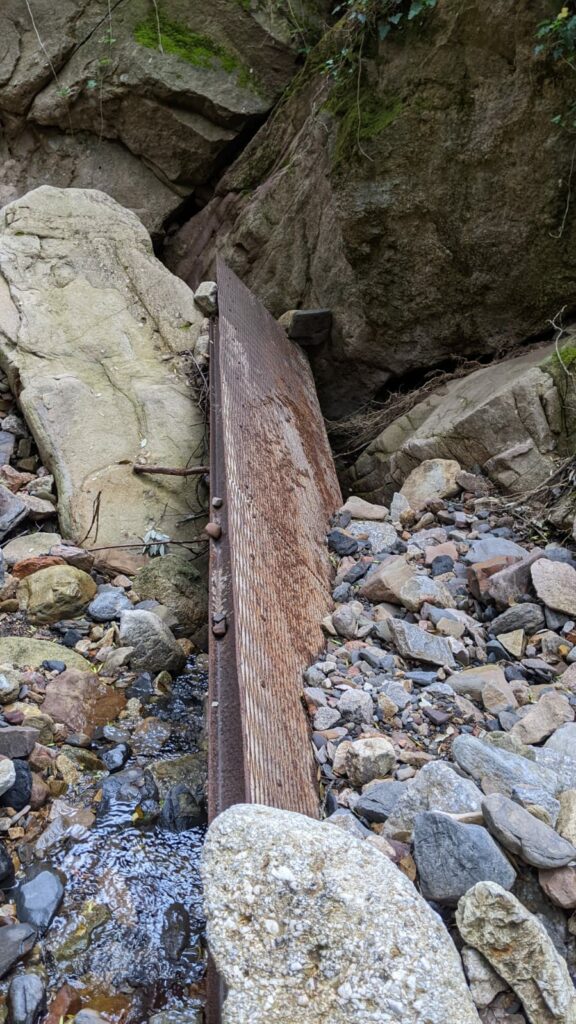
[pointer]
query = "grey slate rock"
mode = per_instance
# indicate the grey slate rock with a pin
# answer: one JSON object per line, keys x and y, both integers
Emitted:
{"x": 12, "y": 511}
{"x": 526, "y": 615}
{"x": 181, "y": 810}
{"x": 524, "y": 835}
{"x": 342, "y": 543}
{"x": 26, "y": 998}
{"x": 6, "y": 868}
{"x": 38, "y": 898}
{"x": 378, "y": 802}
{"x": 108, "y": 604}
{"x": 15, "y": 941}
{"x": 355, "y": 706}
{"x": 452, "y": 857}
{"x": 17, "y": 740}
{"x": 564, "y": 768}
{"x": 413, "y": 642}
{"x": 563, "y": 741}
{"x": 436, "y": 787}
{"x": 505, "y": 769}
{"x": 493, "y": 547}
{"x": 529, "y": 796}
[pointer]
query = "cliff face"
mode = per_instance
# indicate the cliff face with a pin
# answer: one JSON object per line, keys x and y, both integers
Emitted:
{"x": 430, "y": 209}
{"x": 144, "y": 100}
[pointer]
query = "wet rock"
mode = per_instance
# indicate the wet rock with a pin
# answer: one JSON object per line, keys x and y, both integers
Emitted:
{"x": 26, "y": 998}
{"x": 452, "y": 857}
{"x": 525, "y": 835}
{"x": 108, "y": 604}
{"x": 38, "y": 898}
{"x": 115, "y": 758}
{"x": 436, "y": 787}
{"x": 416, "y": 643}
{"x": 155, "y": 648}
{"x": 555, "y": 584}
{"x": 150, "y": 735}
{"x": 378, "y": 801}
{"x": 275, "y": 870}
{"x": 39, "y": 793}
{"x": 59, "y": 592}
{"x": 15, "y": 941}
{"x": 485, "y": 984}
{"x": 434, "y": 478}
{"x": 495, "y": 923}
{"x": 187, "y": 1016}
{"x": 81, "y": 701}
{"x": 131, "y": 789}
{"x": 551, "y": 711}
{"x": 17, "y": 741}
{"x": 6, "y": 868}
{"x": 175, "y": 934}
{"x": 181, "y": 810}
{"x": 560, "y": 886}
{"x": 504, "y": 768}
{"x": 189, "y": 769}
{"x": 18, "y": 796}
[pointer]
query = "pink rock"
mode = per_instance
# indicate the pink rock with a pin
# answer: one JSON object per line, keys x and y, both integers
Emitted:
{"x": 559, "y": 884}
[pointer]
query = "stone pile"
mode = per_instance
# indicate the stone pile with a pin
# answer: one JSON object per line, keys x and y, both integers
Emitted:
{"x": 443, "y": 715}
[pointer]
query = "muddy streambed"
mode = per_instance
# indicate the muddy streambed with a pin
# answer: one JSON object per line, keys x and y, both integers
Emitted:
{"x": 126, "y": 942}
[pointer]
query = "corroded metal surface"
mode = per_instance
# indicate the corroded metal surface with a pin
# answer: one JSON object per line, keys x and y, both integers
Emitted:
{"x": 272, "y": 468}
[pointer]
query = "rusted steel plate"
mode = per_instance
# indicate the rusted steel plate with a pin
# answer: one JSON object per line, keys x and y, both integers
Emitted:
{"x": 272, "y": 466}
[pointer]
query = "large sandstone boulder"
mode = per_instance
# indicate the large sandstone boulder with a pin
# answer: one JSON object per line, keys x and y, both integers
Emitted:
{"x": 404, "y": 235}
{"x": 307, "y": 923}
{"x": 92, "y": 332}
{"x": 89, "y": 98}
{"x": 512, "y": 419}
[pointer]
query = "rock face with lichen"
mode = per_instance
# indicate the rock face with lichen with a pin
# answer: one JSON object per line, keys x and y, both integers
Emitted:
{"x": 414, "y": 221}
{"x": 325, "y": 927}
{"x": 106, "y": 96}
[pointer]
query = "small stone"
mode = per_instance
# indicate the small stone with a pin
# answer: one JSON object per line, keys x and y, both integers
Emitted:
{"x": 12, "y": 511}
{"x": 524, "y": 835}
{"x": 560, "y": 886}
{"x": 526, "y": 616}
{"x": 399, "y": 506}
{"x": 206, "y": 298}
{"x": 551, "y": 711}
{"x": 566, "y": 824}
{"x": 517, "y": 945}
{"x": 361, "y": 509}
{"x": 15, "y": 941}
{"x": 181, "y": 810}
{"x": 563, "y": 740}
{"x": 452, "y": 857}
{"x": 150, "y": 735}
{"x": 432, "y": 479}
{"x": 513, "y": 642}
{"x": 436, "y": 787}
{"x": 413, "y": 642}
{"x": 497, "y": 696}
{"x": 59, "y": 592}
{"x": 493, "y": 547}
{"x": 26, "y": 998}
{"x": 379, "y": 800}
{"x": 555, "y": 584}
{"x": 485, "y": 984}
{"x": 155, "y": 647}
{"x": 326, "y": 718}
{"x": 368, "y": 759}
{"x": 108, "y": 604}
{"x": 17, "y": 741}
{"x": 115, "y": 758}
{"x": 342, "y": 543}
{"x": 356, "y": 706}
{"x": 18, "y": 796}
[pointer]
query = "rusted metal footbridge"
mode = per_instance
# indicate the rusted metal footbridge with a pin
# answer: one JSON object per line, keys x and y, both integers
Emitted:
{"x": 273, "y": 489}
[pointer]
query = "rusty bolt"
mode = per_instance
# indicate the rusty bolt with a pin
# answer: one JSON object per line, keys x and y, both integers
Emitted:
{"x": 214, "y": 530}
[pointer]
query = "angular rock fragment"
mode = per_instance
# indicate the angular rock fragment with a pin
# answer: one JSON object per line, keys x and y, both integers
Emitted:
{"x": 519, "y": 949}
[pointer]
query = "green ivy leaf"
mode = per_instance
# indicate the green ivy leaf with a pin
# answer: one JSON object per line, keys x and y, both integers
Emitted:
{"x": 415, "y": 9}
{"x": 383, "y": 29}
